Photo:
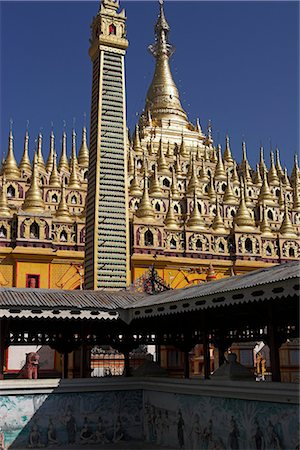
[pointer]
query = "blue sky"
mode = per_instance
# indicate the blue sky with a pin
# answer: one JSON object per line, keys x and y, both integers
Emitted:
{"x": 236, "y": 63}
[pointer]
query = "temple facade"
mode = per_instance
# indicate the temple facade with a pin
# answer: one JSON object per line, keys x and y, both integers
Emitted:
{"x": 184, "y": 204}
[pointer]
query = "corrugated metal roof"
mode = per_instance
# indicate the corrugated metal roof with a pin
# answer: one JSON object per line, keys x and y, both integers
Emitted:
{"x": 50, "y": 298}
{"x": 255, "y": 278}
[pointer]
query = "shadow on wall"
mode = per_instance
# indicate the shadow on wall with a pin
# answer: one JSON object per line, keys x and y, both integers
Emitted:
{"x": 68, "y": 419}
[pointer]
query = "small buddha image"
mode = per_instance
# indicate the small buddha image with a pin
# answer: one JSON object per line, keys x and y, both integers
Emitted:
{"x": 32, "y": 281}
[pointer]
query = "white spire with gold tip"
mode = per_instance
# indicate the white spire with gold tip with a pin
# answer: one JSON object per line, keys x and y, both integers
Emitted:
{"x": 25, "y": 165}
{"x": 34, "y": 202}
{"x": 295, "y": 170}
{"x": 83, "y": 155}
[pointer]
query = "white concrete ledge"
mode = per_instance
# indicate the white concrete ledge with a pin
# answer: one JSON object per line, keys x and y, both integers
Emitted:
{"x": 287, "y": 393}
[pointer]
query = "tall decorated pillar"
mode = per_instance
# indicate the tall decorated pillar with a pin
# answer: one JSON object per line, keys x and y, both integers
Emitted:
{"x": 107, "y": 232}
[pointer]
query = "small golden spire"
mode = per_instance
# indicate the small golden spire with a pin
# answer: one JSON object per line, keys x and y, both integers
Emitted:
{"x": 211, "y": 190}
{"x": 262, "y": 164}
{"x": 4, "y": 208}
{"x": 62, "y": 213}
{"x": 183, "y": 150}
{"x": 137, "y": 147}
{"x": 10, "y": 167}
{"x": 73, "y": 151}
{"x": 209, "y": 139}
{"x": 178, "y": 166}
{"x": 145, "y": 210}
{"x": 73, "y": 181}
{"x": 272, "y": 174}
{"x": 34, "y": 202}
{"x": 295, "y": 170}
{"x": 83, "y": 155}
{"x": 49, "y": 163}
{"x": 40, "y": 158}
{"x": 195, "y": 221}
{"x": 264, "y": 224}
{"x": 54, "y": 179}
{"x": 211, "y": 274}
{"x": 243, "y": 218}
{"x": 278, "y": 164}
{"x": 227, "y": 152}
{"x": 218, "y": 223}
{"x": 247, "y": 198}
{"x": 174, "y": 187}
{"x": 257, "y": 178}
{"x": 63, "y": 165}
{"x": 163, "y": 97}
{"x": 229, "y": 198}
{"x": 193, "y": 182}
{"x": 286, "y": 181}
{"x": 170, "y": 220}
{"x": 162, "y": 163}
{"x": 203, "y": 175}
{"x": 25, "y": 165}
{"x": 220, "y": 173}
{"x": 287, "y": 228}
{"x": 155, "y": 187}
{"x": 265, "y": 195}
{"x": 235, "y": 178}
{"x": 245, "y": 164}
{"x": 135, "y": 189}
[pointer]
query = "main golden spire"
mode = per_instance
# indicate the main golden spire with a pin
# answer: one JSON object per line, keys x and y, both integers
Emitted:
{"x": 10, "y": 166}
{"x": 25, "y": 161}
{"x": 163, "y": 98}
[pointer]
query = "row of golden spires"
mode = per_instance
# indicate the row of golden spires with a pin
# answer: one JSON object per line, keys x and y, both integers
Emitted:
{"x": 12, "y": 170}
